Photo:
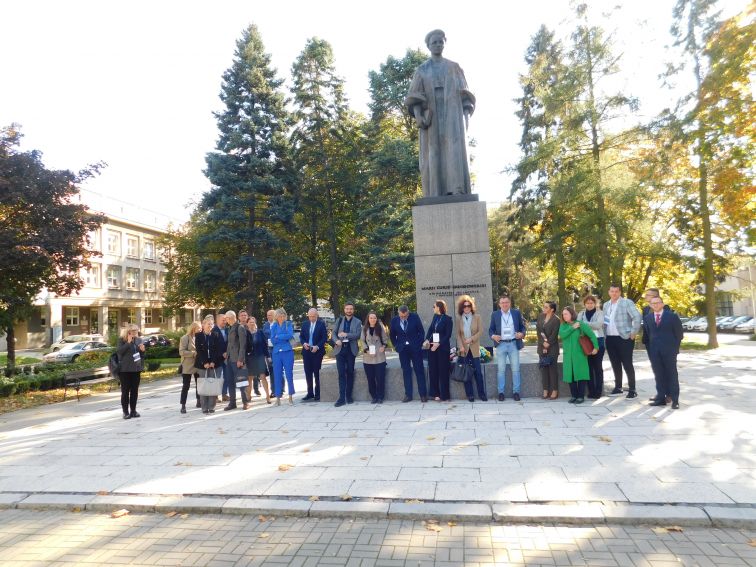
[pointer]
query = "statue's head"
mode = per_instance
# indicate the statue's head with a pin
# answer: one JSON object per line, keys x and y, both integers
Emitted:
{"x": 435, "y": 40}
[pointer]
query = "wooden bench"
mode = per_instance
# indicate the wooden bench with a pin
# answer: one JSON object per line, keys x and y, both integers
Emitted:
{"x": 89, "y": 376}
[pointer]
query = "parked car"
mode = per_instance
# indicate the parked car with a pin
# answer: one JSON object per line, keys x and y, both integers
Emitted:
{"x": 73, "y": 351}
{"x": 730, "y": 325}
{"x": 749, "y": 327}
{"x": 156, "y": 340}
{"x": 66, "y": 341}
{"x": 690, "y": 323}
{"x": 724, "y": 321}
{"x": 703, "y": 323}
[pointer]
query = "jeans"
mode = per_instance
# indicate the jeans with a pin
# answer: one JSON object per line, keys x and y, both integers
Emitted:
{"x": 283, "y": 363}
{"x": 224, "y": 390}
{"x": 187, "y": 378}
{"x": 620, "y": 353}
{"x": 596, "y": 370}
{"x": 312, "y": 363}
{"x": 129, "y": 390}
{"x": 345, "y": 366}
{"x": 481, "y": 385}
{"x": 438, "y": 373}
{"x": 410, "y": 359}
{"x": 376, "y": 378}
{"x": 507, "y": 351}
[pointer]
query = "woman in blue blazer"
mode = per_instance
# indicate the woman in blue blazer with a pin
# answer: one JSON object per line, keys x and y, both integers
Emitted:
{"x": 437, "y": 340}
{"x": 281, "y": 333}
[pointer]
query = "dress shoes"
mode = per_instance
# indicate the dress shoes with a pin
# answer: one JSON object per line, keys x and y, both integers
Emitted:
{"x": 579, "y": 400}
{"x": 484, "y": 398}
{"x": 199, "y": 405}
{"x": 379, "y": 401}
{"x": 229, "y": 407}
{"x": 423, "y": 399}
{"x": 225, "y": 398}
{"x": 516, "y": 397}
{"x": 350, "y": 400}
{"x": 135, "y": 414}
{"x": 616, "y": 392}
{"x": 571, "y": 400}
{"x": 631, "y": 394}
{"x": 308, "y": 397}
{"x": 339, "y": 403}
{"x": 675, "y": 405}
{"x": 374, "y": 401}
{"x": 183, "y": 408}
{"x": 657, "y": 403}
{"x": 126, "y": 416}
{"x": 406, "y": 399}
{"x": 316, "y": 399}
{"x": 471, "y": 399}
{"x": 501, "y": 397}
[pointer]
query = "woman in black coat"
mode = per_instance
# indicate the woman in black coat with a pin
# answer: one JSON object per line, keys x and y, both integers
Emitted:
{"x": 437, "y": 340}
{"x": 210, "y": 349}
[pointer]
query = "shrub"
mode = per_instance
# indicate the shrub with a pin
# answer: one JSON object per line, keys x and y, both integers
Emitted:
{"x": 152, "y": 366}
{"x": 26, "y": 369}
{"x": 162, "y": 352}
{"x": 22, "y": 386}
{"x": 7, "y": 389}
{"x": 99, "y": 358}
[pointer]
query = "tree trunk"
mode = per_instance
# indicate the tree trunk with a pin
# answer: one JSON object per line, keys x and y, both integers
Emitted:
{"x": 10, "y": 335}
{"x": 710, "y": 292}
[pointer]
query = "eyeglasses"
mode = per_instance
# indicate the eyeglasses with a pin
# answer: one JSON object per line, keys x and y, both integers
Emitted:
{"x": 466, "y": 305}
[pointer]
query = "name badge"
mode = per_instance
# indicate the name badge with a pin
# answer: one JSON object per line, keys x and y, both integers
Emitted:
{"x": 406, "y": 342}
{"x": 607, "y": 320}
{"x": 436, "y": 337}
{"x": 371, "y": 349}
{"x": 136, "y": 356}
{"x": 270, "y": 342}
{"x": 344, "y": 340}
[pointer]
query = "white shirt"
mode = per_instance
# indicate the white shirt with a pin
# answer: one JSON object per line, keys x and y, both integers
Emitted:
{"x": 610, "y": 314}
{"x": 467, "y": 319}
{"x": 507, "y": 326}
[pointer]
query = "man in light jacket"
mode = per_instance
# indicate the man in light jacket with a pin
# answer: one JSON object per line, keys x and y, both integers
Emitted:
{"x": 237, "y": 353}
{"x": 507, "y": 329}
{"x": 622, "y": 322}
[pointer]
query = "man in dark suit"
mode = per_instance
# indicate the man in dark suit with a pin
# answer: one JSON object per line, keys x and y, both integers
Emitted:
{"x": 665, "y": 333}
{"x": 650, "y": 294}
{"x": 507, "y": 329}
{"x": 407, "y": 334}
{"x": 346, "y": 336}
{"x": 313, "y": 338}
{"x": 220, "y": 330}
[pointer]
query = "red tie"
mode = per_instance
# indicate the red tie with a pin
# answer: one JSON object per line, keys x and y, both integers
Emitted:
{"x": 658, "y": 319}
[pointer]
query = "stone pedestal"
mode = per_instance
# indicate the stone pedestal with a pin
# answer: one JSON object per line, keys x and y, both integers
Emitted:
{"x": 452, "y": 258}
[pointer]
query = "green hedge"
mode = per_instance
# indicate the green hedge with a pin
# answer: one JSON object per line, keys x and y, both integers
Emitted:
{"x": 162, "y": 352}
{"x": 49, "y": 376}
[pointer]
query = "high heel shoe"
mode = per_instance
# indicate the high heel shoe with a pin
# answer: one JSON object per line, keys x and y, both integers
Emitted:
{"x": 545, "y": 395}
{"x": 278, "y": 401}
{"x": 291, "y": 400}
{"x": 554, "y": 395}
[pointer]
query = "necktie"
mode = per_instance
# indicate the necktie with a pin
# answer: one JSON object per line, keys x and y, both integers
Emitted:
{"x": 658, "y": 319}
{"x": 404, "y": 326}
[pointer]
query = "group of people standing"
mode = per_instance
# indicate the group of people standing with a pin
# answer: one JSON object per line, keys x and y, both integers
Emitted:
{"x": 245, "y": 354}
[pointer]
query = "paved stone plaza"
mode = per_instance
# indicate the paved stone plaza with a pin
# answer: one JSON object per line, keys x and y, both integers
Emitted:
{"x": 56, "y": 538}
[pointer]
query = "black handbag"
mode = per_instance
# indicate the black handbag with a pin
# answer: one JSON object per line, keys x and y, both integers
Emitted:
{"x": 462, "y": 372}
{"x": 546, "y": 360}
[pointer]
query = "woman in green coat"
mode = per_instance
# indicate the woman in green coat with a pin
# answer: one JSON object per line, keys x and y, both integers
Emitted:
{"x": 575, "y": 368}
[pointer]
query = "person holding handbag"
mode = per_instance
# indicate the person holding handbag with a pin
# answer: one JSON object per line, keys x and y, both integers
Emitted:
{"x": 469, "y": 330}
{"x": 438, "y": 343}
{"x": 547, "y": 327}
{"x": 257, "y": 356}
{"x": 209, "y": 361}
{"x": 374, "y": 337}
{"x": 281, "y": 333}
{"x": 576, "y": 335}
{"x": 188, "y": 352}
{"x": 594, "y": 316}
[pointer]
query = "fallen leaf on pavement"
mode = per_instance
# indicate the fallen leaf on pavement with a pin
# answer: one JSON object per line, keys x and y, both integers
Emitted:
{"x": 261, "y": 518}
{"x": 284, "y": 432}
{"x": 221, "y": 432}
{"x": 752, "y": 543}
{"x": 264, "y": 535}
{"x": 364, "y": 458}
{"x": 413, "y": 501}
{"x": 182, "y": 464}
{"x": 284, "y": 468}
{"x": 605, "y": 439}
{"x": 432, "y": 526}
{"x": 76, "y": 509}
{"x": 184, "y": 516}
{"x": 227, "y": 455}
{"x": 120, "y": 513}
{"x": 305, "y": 450}
{"x": 314, "y": 498}
{"x": 345, "y": 497}
{"x": 102, "y": 493}
{"x": 451, "y": 524}
{"x": 431, "y": 438}
{"x": 667, "y": 529}
{"x": 170, "y": 514}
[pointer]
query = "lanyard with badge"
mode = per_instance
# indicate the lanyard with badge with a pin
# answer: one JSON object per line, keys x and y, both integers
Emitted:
{"x": 608, "y": 314}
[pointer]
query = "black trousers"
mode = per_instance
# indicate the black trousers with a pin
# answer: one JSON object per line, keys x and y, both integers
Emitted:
{"x": 438, "y": 373}
{"x": 620, "y": 353}
{"x": 376, "y": 379}
{"x": 577, "y": 389}
{"x": 479, "y": 382}
{"x": 596, "y": 370}
{"x": 187, "y": 378}
{"x": 664, "y": 366}
{"x": 129, "y": 390}
{"x": 410, "y": 359}
{"x": 312, "y": 361}
{"x": 345, "y": 366}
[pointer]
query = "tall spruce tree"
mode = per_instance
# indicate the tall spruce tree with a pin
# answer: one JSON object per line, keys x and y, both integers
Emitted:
{"x": 243, "y": 246}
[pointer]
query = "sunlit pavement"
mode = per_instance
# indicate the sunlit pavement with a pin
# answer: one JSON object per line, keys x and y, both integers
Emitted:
{"x": 613, "y": 450}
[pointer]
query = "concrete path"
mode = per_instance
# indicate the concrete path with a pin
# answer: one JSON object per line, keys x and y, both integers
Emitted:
{"x": 614, "y": 452}
{"x": 55, "y": 538}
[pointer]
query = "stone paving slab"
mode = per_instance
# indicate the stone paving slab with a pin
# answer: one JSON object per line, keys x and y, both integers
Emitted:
{"x": 56, "y": 501}
{"x": 667, "y": 515}
{"x": 338, "y": 509}
{"x": 728, "y": 517}
{"x": 440, "y": 511}
{"x": 266, "y": 506}
{"x": 539, "y": 513}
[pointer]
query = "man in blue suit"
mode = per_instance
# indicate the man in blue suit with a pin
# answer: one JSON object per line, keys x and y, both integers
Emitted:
{"x": 313, "y": 338}
{"x": 507, "y": 329}
{"x": 665, "y": 333}
{"x": 220, "y": 330}
{"x": 407, "y": 334}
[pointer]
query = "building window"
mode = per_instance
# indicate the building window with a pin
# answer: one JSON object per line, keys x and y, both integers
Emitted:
{"x": 149, "y": 250}
{"x": 161, "y": 282}
{"x": 113, "y": 320}
{"x": 132, "y": 246}
{"x": 161, "y": 317}
{"x": 72, "y": 316}
{"x": 92, "y": 276}
{"x": 188, "y": 316}
{"x": 150, "y": 278}
{"x": 93, "y": 239}
{"x": 148, "y": 316}
{"x": 131, "y": 316}
{"x": 132, "y": 278}
{"x": 114, "y": 242}
{"x": 114, "y": 277}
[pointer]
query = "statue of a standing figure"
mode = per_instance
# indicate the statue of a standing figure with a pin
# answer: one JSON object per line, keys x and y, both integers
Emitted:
{"x": 441, "y": 104}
